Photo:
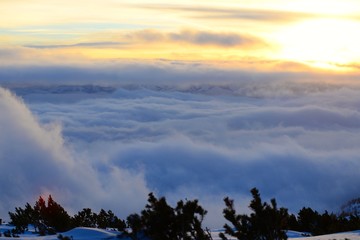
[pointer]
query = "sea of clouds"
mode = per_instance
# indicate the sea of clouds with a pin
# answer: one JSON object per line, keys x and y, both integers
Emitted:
{"x": 187, "y": 134}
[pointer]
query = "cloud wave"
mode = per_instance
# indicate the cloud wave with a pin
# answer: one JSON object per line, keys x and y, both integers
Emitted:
{"x": 183, "y": 137}
{"x": 35, "y": 160}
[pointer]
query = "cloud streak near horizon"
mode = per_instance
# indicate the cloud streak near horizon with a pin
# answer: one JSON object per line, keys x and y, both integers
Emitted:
{"x": 196, "y": 37}
{"x": 151, "y": 36}
{"x": 106, "y": 145}
{"x": 234, "y": 13}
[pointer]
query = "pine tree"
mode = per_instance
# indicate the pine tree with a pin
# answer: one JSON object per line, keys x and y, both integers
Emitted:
{"x": 114, "y": 222}
{"x": 134, "y": 228}
{"x": 102, "y": 219}
{"x": 266, "y": 222}
{"x": 85, "y": 218}
{"x": 39, "y": 213}
{"x": 158, "y": 219}
{"x": 43, "y": 216}
{"x": 20, "y": 219}
{"x": 308, "y": 220}
{"x": 55, "y": 216}
{"x": 189, "y": 217}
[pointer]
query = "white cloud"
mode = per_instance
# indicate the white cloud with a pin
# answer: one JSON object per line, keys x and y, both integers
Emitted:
{"x": 35, "y": 161}
{"x": 295, "y": 141}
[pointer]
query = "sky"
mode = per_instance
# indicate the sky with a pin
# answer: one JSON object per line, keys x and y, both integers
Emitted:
{"x": 262, "y": 34}
{"x": 102, "y": 102}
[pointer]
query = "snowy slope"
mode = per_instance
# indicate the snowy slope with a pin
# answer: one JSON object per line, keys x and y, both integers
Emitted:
{"x": 80, "y": 233}
{"x": 90, "y": 233}
{"x": 100, "y": 234}
{"x": 338, "y": 236}
{"x": 297, "y": 236}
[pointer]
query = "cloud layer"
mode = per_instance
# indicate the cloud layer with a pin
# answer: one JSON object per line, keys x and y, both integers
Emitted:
{"x": 35, "y": 161}
{"x": 106, "y": 145}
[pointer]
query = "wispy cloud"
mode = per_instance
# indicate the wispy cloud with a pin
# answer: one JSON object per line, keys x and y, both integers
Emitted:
{"x": 233, "y": 13}
{"x": 193, "y": 37}
{"x": 84, "y": 44}
{"x": 352, "y": 65}
{"x": 196, "y": 37}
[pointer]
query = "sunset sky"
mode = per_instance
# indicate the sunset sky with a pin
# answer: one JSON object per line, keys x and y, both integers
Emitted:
{"x": 258, "y": 34}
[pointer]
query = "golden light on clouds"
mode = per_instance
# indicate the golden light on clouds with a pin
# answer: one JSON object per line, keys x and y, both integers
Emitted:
{"x": 313, "y": 33}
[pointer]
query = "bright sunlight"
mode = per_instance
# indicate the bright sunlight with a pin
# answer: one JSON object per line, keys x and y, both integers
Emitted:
{"x": 324, "y": 42}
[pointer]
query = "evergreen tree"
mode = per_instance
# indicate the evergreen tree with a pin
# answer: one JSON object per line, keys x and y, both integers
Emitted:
{"x": 39, "y": 213}
{"x": 21, "y": 218}
{"x": 108, "y": 219}
{"x": 85, "y": 218}
{"x": 160, "y": 221}
{"x": 102, "y": 219}
{"x": 293, "y": 223}
{"x": 55, "y": 216}
{"x": 134, "y": 228}
{"x": 115, "y": 222}
{"x": 43, "y": 216}
{"x": 311, "y": 221}
{"x": 189, "y": 217}
{"x": 308, "y": 220}
{"x": 266, "y": 222}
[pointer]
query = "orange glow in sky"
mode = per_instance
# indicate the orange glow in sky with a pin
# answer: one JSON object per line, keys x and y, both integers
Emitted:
{"x": 321, "y": 34}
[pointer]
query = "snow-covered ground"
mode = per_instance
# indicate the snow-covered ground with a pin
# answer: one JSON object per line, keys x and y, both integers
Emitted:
{"x": 338, "y": 236}
{"x": 80, "y": 233}
{"x": 100, "y": 234}
{"x": 298, "y": 236}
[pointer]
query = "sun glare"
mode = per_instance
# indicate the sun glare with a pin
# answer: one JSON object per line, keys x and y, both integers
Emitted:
{"x": 325, "y": 43}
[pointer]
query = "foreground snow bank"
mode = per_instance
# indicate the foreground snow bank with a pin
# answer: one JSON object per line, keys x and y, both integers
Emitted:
{"x": 83, "y": 233}
{"x": 355, "y": 235}
{"x": 80, "y": 233}
{"x": 89, "y": 233}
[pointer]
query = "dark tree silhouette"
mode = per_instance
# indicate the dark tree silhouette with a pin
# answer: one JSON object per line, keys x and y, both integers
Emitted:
{"x": 43, "y": 216}
{"x": 85, "y": 218}
{"x": 109, "y": 220}
{"x": 21, "y": 218}
{"x": 104, "y": 219}
{"x": 56, "y": 216}
{"x": 189, "y": 220}
{"x": 266, "y": 222}
{"x": 134, "y": 223}
{"x": 160, "y": 221}
{"x": 311, "y": 221}
{"x": 308, "y": 220}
